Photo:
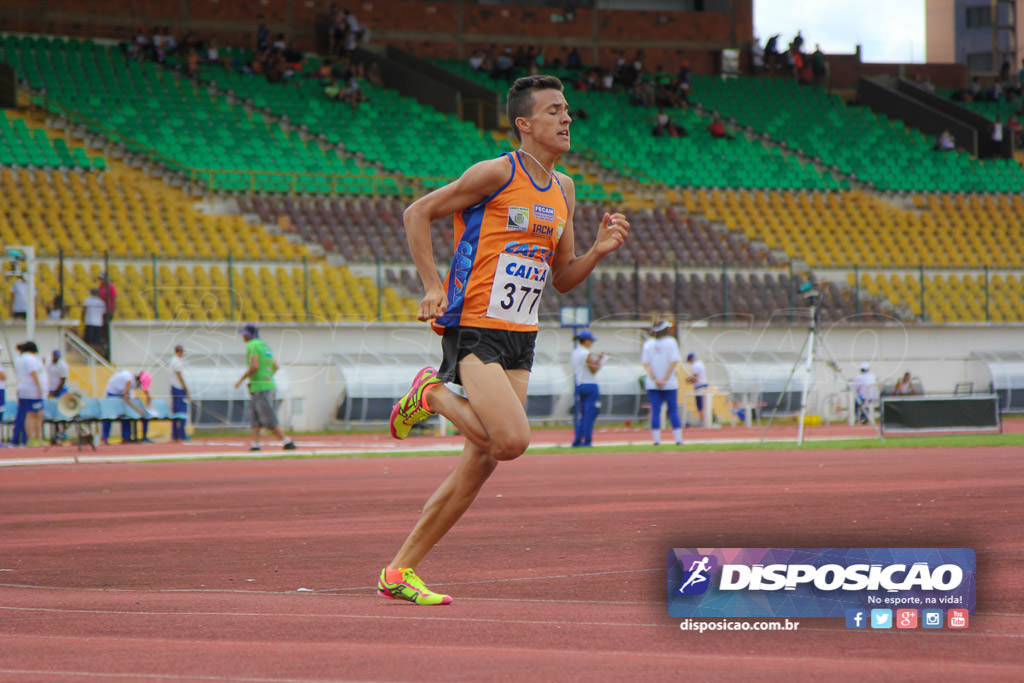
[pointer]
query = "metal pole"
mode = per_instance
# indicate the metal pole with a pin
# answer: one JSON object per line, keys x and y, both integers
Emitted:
{"x": 156, "y": 292}
{"x": 305, "y": 285}
{"x": 856, "y": 290}
{"x": 636, "y": 289}
{"x": 921, "y": 297}
{"x": 988, "y": 317}
{"x": 725, "y": 292}
{"x": 792, "y": 294}
{"x": 380, "y": 290}
{"x": 60, "y": 287}
{"x": 231, "y": 289}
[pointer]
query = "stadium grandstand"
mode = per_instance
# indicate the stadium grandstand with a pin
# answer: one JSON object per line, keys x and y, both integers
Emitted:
{"x": 217, "y": 177}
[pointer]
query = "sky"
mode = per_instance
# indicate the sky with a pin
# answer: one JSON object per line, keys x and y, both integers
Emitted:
{"x": 886, "y": 30}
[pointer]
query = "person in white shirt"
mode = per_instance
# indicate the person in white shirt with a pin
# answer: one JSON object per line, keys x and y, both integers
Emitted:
{"x": 28, "y": 425}
{"x": 19, "y": 299}
{"x": 585, "y": 366}
{"x": 56, "y": 375}
{"x": 660, "y": 358}
{"x": 179, "y": 393}
{"x": 120, "y": 386}
{"x": 93, "y": 311}
{"x": 699, "y": 379}
{"x": 866, "y": 387}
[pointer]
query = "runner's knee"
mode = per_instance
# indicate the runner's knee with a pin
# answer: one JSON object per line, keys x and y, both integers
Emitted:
{"x": 508, "y": 446}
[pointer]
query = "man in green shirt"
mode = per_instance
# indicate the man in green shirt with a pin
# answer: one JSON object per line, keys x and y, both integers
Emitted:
{"x": 262, "y": 389}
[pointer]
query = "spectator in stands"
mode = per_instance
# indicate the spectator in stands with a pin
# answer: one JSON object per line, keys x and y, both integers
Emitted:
{"x": 478, "y": 60}
{"x": 718, "y": 130}
{"x": 354, "y": 35}
{"x": 865, "y": 388}
{"x": 338, "y": 31}
{"x": 56, "y": 375}
{"x": 262, "y": 35}
{"x": 28, "y": 424}
{"x": 905, "y": 386}
{"x": 262, "y": 388}
{"x": 756, "y": 56}
{"x": 997, "y": 131}
{"x": 660, "y": 358}
{"x": 57, "y": 310}
{"x": 945, "y": 141}
{"x": 504, "y": 64}
{"x": 1014, "y": 126}
{"x": 818, "y": 64}
{"x": 179, "y": 393}
{"x": 94, "y": 313}
{"x": 585, "y": 366}
{"x": 771, "y": 54}
{"x": 192, "y": 63}
{"x": 573, "y": 60}
{"x": 664, "y": 127}
{"x": 19, "y": 298}
{"x": 1004, "y": 71}
{"x": 682, "y": 87}
{"x": 120, "y": 385}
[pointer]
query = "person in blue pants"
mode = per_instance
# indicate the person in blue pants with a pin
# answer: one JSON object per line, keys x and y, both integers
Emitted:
{"x": 585, "y": 366}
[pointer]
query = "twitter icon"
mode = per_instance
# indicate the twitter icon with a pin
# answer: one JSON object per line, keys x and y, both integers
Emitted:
{"x": 881, "y": 618}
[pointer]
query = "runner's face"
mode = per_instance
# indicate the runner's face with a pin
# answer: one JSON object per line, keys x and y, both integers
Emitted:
{"x": 549, "y": 124}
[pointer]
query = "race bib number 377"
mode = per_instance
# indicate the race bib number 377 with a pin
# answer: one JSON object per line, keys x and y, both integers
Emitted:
{"x": 518, "y": 284}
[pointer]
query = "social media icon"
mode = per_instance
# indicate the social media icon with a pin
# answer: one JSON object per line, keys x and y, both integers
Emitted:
{"x": 957, "y": 618}
{"x": 906, "y": 618}
{"x": 856, "y": 618}
{"x": 881, "y": 618}
{"x": 931, "y": 618}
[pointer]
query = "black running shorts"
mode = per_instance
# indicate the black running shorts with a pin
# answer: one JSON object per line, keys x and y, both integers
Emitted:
{"x": 510, "y": 350}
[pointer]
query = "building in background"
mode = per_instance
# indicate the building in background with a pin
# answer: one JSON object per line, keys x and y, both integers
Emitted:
{"x": 980, "y": 34}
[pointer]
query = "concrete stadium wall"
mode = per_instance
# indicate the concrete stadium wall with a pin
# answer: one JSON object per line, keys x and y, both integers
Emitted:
{"x": 313, "y": 357}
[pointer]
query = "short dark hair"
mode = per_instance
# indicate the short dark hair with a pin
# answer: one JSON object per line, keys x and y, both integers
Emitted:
{"x": 520, "y": 97}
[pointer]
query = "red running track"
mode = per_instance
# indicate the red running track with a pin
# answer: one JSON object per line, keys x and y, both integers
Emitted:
{"x": 265, "y": 570}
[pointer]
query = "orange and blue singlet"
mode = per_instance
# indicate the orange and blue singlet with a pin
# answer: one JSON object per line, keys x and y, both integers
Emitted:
{"x": 504, "y": 246}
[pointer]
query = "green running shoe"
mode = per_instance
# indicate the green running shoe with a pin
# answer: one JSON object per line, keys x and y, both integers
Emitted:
{"x": 411, "y": 408}
{"x": 405, "y": 585}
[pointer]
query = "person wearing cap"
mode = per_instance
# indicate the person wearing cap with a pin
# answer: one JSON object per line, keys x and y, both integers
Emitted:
{"x": 865, "y": 387}
{"x": 660, "y": 358}
{"x": 120, "y": 386}
{"x": 587, "y": 404}
{"x": 28, "y": 424}
{"x": 698, "y": 377}
{"x": 262, "y": 409}
{"x": 179, "y": 393}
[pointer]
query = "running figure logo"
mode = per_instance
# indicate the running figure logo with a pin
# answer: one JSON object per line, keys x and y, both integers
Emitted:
{"x": 696, "y": 573}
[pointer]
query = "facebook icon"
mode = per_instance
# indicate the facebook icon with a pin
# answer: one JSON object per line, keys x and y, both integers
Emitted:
{"x": 856, "y": 618}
